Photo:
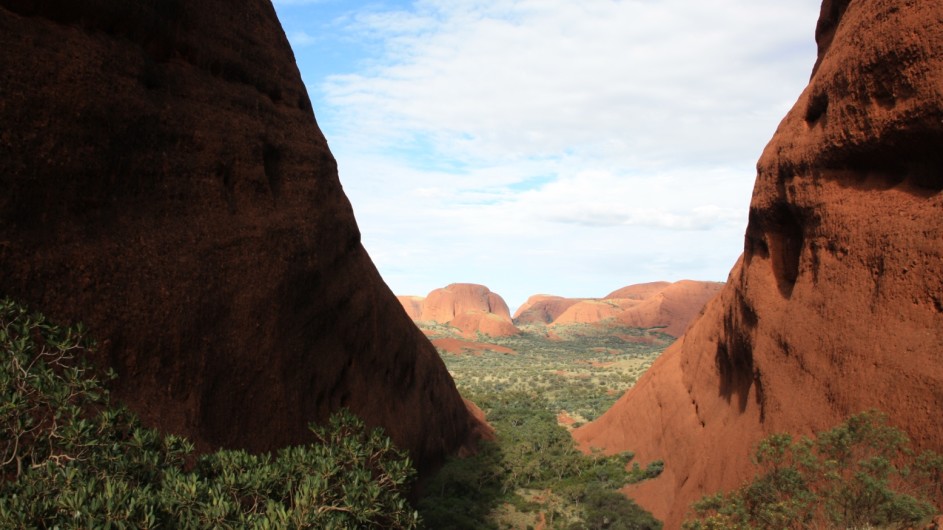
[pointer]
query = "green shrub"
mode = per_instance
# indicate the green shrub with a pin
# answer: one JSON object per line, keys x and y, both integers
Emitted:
{"x": 860, "y": 474}
{"x": 69, "y": 459}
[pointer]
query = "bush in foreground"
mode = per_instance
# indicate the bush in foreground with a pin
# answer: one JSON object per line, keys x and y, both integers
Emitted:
{"x": 860, "y": 474}
{"x": 69, "y": 459}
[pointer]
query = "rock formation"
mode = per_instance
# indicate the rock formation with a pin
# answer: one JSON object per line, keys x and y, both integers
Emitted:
{"x": 836, "y": 305}
{"x": 590, "y": 311}
{"x": 639, "y": 291}
{"x": 470, "y": 307}
{"x": 543, "y": 309}
{"x": 412, "y": 305}
{"x": 675, "y": 306}
{"x": 672, "y": 306}
{"x": 442, "y": 305}
{"x": 473, "y": 322}
{"x": 164, "y": 181}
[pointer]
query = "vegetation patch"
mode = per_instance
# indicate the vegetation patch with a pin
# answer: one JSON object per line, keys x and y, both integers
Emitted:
{"x": 578, "y": 368}
{"x": 70, "y": 459}
{"x": 532, "y": 475}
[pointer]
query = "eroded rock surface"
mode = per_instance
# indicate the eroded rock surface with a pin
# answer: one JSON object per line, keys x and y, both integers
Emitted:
{"x": 837, "y": 303}
{"x": 164, "y": 181}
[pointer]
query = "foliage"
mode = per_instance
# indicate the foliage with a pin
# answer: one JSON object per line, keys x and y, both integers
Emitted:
{"x": 579, "y": 368}
{"x": 535, "y": 467}
{"x": 861, "y": 473}
{"x": 71, "y": 460}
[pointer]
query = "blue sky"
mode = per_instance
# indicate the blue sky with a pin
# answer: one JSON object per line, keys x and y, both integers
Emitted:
{"x": 550, "y": 146}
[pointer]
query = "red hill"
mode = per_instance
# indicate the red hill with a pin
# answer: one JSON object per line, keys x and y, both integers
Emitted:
{"x": 543, "y": 308}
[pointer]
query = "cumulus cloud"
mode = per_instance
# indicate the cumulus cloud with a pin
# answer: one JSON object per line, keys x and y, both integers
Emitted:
{"x": 585, "y": 145}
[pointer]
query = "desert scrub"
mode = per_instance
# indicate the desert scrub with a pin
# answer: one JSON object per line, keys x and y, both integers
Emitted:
{"x": 534, "y": 467}
{"x": 70, "y": 459}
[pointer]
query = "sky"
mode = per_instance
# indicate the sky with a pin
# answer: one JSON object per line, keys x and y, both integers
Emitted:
{"x": 567, "y": 147}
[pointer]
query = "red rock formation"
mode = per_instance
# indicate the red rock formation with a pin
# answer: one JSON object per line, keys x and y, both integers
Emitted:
{"x": 412, "y": 305}
{"x": 163, "y": 180}
{"x": 639, "y": 291}
{"x": 542, "y": 308}
{"x": 471, "y": 323}
{"x": 469, "y": 307}
{"x": 442, "y": 305}
{"x": 589, "y": 311}
{"x": 837, "y": 303}
{"x": 674, "y": 307}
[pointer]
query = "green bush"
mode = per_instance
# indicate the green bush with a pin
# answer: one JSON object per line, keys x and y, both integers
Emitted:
{"x": 860, "y": 474}
{"x": 69, "y": 459}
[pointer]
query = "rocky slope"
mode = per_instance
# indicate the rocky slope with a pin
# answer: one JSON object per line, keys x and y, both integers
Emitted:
{"x": 837, "y": 303}
{"x": 470, "y": 307}
{"x": 164, "y": 181}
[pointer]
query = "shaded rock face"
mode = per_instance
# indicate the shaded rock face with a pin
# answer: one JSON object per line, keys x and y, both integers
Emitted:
{"x": 837, "y": 303}
{"x": 164, "y": 181}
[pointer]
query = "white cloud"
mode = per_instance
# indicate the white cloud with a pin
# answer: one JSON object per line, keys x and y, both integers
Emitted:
{"x": 591, "y": 143}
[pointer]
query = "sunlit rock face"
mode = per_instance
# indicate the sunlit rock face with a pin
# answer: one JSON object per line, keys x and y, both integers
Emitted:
{"x": 669, "y": 306}
{"x": 471, "y": 308}
{"x": 543, "y": 309}
{"x": 442, "y": 305}
{"x": 164, "y": 181}
{"x": 836, "y": 305}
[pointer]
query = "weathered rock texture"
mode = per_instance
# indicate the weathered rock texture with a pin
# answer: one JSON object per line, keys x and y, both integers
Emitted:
{"x": 164, "y": 181}
{"x": 837, "y": 303}
{"x": 470, "y": 307}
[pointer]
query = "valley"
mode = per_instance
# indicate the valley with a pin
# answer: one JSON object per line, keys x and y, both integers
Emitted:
{"x": 533, "y": 388}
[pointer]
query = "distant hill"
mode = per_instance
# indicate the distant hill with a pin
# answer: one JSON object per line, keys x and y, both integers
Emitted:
{"x": 671, "y": 306}
{"x": 471, "y": 307}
